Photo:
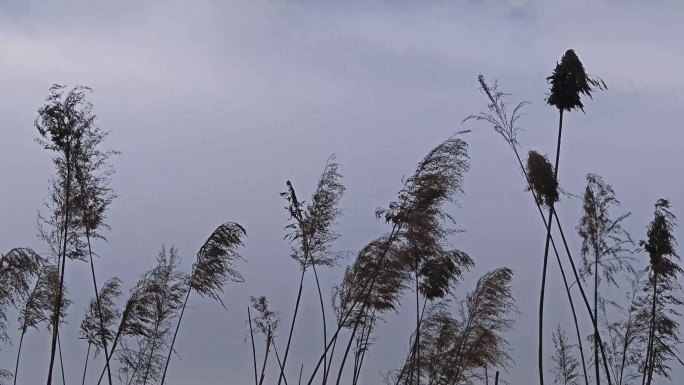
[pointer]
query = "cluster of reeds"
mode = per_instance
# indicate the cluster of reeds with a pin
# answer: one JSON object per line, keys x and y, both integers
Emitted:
{"x": 619, "y": 341}
{"x": 459, "y": 335}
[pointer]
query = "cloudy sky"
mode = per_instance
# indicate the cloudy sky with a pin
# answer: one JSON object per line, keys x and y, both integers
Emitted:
{"x": 214, "y": 105}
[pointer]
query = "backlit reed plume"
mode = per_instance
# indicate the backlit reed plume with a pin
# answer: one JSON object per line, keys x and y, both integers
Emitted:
{"x": 38, "y": 307}
{"x": 266, "y": 322}
{"x": 542, "y": 181}
{"x": 603, "y": 240}
{"x": 133, "y": 324}
{"x": 566, "y": 366}
{"x": 311, "y": 235}
{"x": 162, "y": 296}
{"x": 211, "y": 271}
{"x": 437, "y": 180}
{"x": 63, "y": 122}
{"x": 664, "y": 291}
{"x": 18, "y": 268}
{"x": 425, "y": 226}
{"x": 457, "y": 347}
{"x": 390, "y": 280}
{"x": 102, "y": 313}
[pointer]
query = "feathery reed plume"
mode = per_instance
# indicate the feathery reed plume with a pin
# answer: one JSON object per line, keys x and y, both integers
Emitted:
{"x": 212, "y": 270}
{"x": 162, "y": 298}
{"x": 456, "y": 348}
{"x": 565, "y": 364}
{"x": 311, "y": 236}
{"x": 267, "y": 320}
{"x": 5, "y": 375}
{"x": 58, "y": 313}
{"x": 215, "y": 259}
{"x": 311, "y": 231}
{"x": 663, "y": 331}
{"x": 136, "y": 315}
{"x": 438, "y": 179}
{"x": 603, "y": 240}
{"x": 568, "y": 81}
{"x": 106, "y": 313}
{"x": 387, "y": 287}
{"x": 37, "y": 308}
{"x": 62, "y": 122}
{"x": 267, "y": 323}
{"x": 542, "y": 181}
{"x": 17, "y": 269}
{"x": 100, "y": 319}
{"x": 390, "y": 280}
{"x": 497, "y": 114}
{"x": 435, "y": 269}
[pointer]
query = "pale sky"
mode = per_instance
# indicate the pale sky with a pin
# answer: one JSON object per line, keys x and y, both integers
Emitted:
{"x": 214, "y": 105}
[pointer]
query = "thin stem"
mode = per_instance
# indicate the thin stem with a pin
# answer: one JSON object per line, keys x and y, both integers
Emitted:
{"x": 364, "y": 348}
{"x": 596, "y": 349}
{"x": 251, "y": 336}
{"x": 560, "y": 265}
{"x": 124, "y": 319}
{"x": 292, "y": 325}
{"x": 346, "y": 351}
{"x": 325, "y": 329}
{"x": 61, "y": 360}
{"x": 85, "y": 367}
{"x": 280, "y": 364}
{"x": 546, "y": 256}
{"x": 417, "y": 355}
{"x": 65, "y": 233}
{"x": 651, "y": 336}
{"x": 16, "y": 366}
{"x": 175, "y": 334}
{"x": 584, "y": 298}
{"x": 574, "y": 316}
{"x": 268, "y": 349}
{"x": 332, "y": 353}
{"x": 99, "y": 310}
{"x": 413, "y": 347}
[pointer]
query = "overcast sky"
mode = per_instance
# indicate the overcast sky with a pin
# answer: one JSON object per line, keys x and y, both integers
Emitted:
{"x": 214, "y": 105}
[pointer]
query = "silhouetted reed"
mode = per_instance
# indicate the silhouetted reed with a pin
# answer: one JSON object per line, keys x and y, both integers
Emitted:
{"x": 457, "y": 347}
{"x": 664, "y": 298}
{"x": 17, "y": 270}
{"x": 65, "y": 124}
{"x": 568, "y": 81}
{"x": 212, "y": 270}
{"x": 506, "y": 125}
{"x": 161, "y": 297}
{"x": 38, "y": 306}
{"x": 266, "y": 323}
{"x": 566, "y": 365}
{"x": 311, "y": 236}
{"x": 603, "y": 240}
